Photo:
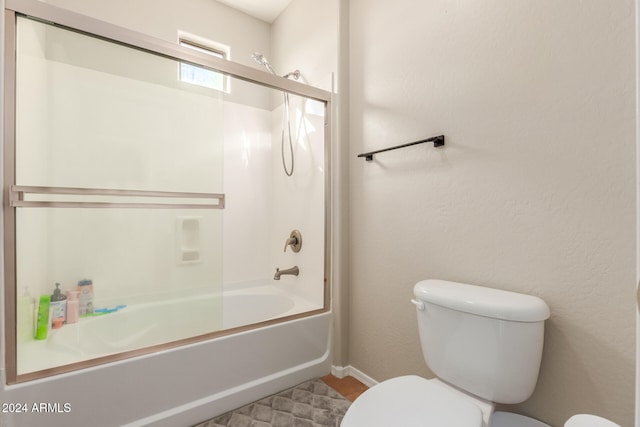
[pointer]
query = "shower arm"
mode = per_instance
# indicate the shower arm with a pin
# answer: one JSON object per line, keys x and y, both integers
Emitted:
{"x": 260, "y": 59}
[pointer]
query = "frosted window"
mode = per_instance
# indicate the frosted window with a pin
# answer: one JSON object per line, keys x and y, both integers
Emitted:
{"x": 198, "y": 75}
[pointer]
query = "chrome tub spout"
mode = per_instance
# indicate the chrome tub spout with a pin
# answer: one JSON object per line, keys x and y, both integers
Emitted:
{"x": 294, "y": 271}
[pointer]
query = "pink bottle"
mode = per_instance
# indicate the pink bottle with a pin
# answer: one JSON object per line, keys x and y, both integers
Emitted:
{"x": 73, "y": 307}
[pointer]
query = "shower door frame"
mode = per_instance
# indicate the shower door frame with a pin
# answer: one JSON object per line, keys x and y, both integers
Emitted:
{"x": 95, "y": 28}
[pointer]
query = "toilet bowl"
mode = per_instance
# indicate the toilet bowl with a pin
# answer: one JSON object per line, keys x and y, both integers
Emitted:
{"x": 484, "y": 345}
{"x": 585, "y": 420}
{"x": 412, "y": 401}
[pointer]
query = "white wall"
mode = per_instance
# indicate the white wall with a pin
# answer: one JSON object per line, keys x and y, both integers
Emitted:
{"x": 248, "y": 184}
{"x": 304, "y": 37}
{"x": 298, "y": 201}
{"x": 534, "y": 191}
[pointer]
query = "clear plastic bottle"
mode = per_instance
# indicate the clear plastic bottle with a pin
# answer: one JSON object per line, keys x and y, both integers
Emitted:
{"x": 85, "y": 287}
{"x": 26, "y": 316}
{"x": 73, "y": 307}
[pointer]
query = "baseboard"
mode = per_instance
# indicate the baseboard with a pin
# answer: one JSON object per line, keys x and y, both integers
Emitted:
{"x": 340, "y": 371}
{"x": 345, "y": 371}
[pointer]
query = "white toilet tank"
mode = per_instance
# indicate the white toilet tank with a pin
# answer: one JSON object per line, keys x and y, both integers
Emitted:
{"x": 485, "y": 341}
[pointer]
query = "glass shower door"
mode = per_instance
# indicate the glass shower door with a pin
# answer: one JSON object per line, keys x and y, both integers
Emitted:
{"x": 118, "y": 182}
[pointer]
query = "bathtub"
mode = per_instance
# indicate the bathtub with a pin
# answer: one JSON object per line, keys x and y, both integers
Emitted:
{"x": 182, "y": 385}
{"x": 154, "y": 323}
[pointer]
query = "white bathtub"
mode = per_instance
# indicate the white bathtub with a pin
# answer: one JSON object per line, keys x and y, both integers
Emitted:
{"x": 155, "y": 323}
{"x": 183, "y": 385}
{"x": 144, "y": 325}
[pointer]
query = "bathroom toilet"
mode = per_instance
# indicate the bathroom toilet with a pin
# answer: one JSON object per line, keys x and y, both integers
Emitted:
{"x": 484, "y": 345}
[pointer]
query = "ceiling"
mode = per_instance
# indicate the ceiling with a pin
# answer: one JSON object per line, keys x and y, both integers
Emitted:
{"x": 267, "y": 10}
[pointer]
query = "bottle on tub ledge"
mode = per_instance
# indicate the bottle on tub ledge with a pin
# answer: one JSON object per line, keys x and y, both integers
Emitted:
{"x": 42, "y": 321}
{"x": 26, "y": 316}
{"x": 85, "y": 297}
{"x": 58, "y": 307}
{"x": 73, "y": 306}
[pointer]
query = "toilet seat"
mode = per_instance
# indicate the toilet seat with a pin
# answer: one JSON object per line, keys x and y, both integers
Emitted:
{"x": 411, "y": 401}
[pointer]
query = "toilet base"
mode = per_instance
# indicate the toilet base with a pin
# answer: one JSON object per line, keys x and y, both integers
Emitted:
{"x": 486, "y": 407}
{"x": 507, "y": 419}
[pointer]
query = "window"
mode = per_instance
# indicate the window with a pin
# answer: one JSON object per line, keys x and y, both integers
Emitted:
{"x": 202, "y": 76}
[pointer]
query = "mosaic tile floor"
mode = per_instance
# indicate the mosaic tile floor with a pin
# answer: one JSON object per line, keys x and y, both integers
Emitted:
{"x": 310, "y": 404}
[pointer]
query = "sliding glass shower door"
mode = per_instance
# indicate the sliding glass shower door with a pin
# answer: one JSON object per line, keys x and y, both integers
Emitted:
{"x": 117, "y": 173}
{"x": 118, "y": 182}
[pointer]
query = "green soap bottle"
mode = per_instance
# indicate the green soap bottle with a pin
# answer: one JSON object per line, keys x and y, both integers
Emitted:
{"x": 43, "y": 317}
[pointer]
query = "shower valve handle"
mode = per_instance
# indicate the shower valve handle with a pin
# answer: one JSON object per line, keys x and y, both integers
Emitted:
{"x": 290, "y": 241}
{"x": 294, "y": 240}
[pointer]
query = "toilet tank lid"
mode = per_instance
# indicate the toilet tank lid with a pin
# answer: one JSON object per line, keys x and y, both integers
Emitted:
{"x": 481, "y": 301}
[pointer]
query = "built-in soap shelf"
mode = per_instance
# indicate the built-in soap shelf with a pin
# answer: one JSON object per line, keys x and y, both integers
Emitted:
{"x": 189, "y": 241}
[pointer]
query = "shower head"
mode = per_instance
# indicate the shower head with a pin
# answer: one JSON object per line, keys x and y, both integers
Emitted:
{"x": 295, "y": 74}
{"x": 260, "y": 59}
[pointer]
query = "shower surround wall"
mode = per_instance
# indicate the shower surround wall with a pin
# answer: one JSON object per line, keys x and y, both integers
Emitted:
{"x": 306, "y": 36}
{"x": 76, "y": 144}
{"x": 534, "y": 191}
{"x": 248, "y": 160}
{"x": 263, "y": 205}
{"x": 303, "y": 37}
{"x": 251, "y": 154}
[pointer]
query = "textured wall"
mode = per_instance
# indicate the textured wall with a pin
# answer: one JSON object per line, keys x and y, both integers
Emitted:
{"x": 534, "y": 191}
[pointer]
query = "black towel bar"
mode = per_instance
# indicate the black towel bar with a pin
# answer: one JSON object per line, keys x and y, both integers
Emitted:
{"x": 438, "y": 141}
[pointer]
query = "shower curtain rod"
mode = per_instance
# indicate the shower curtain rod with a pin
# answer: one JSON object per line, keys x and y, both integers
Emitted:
{"x": 438, "y": 141}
